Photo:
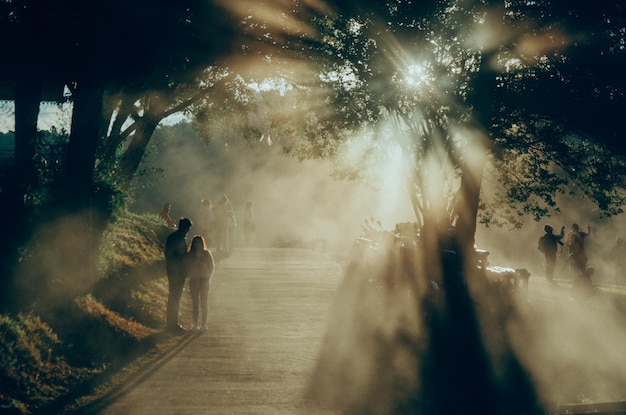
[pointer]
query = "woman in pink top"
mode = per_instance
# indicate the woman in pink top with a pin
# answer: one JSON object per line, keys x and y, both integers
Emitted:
{"x": 200, "y": 270}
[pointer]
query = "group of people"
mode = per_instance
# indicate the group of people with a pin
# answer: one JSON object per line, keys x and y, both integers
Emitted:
{"x": 193, "y": 261}
{"x": 219, "y": 223}
{"x": 577, "y": 256}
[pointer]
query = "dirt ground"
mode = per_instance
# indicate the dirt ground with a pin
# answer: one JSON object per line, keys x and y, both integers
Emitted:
{"x": 268, "y": 316}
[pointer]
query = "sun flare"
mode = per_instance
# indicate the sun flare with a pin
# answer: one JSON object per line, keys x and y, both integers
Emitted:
{"x": 416, "y": 75}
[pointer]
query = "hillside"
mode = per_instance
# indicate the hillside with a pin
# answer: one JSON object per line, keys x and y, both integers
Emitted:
{"x": 57, "y": 356}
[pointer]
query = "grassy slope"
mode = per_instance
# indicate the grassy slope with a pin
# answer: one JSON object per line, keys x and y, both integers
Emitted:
{"x": 63, "y": 356}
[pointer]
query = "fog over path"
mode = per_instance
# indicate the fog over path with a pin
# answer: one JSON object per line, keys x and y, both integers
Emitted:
{"x": 270, "y": 311}
{"x": 268, "y": 315}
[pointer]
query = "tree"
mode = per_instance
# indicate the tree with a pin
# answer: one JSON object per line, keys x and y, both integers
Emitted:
{"x": 91, "y": 53}
{"x": 560, "y": 112}
{"x": 466, "y": 88}
{"x": 439, "y": 71}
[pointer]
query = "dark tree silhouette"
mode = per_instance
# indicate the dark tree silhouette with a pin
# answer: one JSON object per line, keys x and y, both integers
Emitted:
{"x": 97, "y": 50}
{"x": 521, "y": 86}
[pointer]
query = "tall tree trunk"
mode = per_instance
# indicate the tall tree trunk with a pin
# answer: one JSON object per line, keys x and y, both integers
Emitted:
{"x": 79, "y": 203}
{"x": 136, "y": 149}
{"x": 462, "y": 366}
{"x": 15, "y": 187}
{"x": 87, "y": 125}
{"x": 467, "y": 208}
{"x": 116, "y": 136}
{"x": 480, "y": 98}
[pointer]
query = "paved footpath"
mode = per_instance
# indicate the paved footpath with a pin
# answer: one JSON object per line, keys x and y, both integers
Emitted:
{"x": 268, "y": 315}
{"x": 269, "y": 310}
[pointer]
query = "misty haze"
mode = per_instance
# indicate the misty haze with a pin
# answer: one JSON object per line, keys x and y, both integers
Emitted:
{"x": 313, "y": 207}
{"x": 293, "y": 201}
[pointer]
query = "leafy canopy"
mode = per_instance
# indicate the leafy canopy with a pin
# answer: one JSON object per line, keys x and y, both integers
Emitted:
{"x": 420, "y": 84}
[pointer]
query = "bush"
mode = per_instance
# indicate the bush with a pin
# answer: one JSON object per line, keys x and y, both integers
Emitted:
{"x": 33, "y": 371}
{"x": 63, "y": 344}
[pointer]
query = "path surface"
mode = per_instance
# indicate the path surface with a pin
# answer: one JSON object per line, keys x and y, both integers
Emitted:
{"x": 268, "y": 315}
{"x": 269, "y": 311}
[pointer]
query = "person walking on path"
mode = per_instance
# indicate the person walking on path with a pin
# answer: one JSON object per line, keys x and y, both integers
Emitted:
{"x": 175, "y": 255}
{"x": 200, "y": 267}
{"x": 548, "y": 244}
{"x": 576, "y": 244}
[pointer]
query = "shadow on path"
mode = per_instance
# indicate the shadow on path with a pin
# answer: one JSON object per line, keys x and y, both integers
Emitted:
{"x": 137, "y": 377}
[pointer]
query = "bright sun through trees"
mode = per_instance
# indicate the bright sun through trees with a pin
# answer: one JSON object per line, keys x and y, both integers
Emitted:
{"x": 465, "y": 112}
{"x": 417, "y": 75}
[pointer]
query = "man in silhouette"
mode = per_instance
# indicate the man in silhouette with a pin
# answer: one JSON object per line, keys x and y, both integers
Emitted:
{"x": 548, "y": 244}
{"x": 175, "y": 253}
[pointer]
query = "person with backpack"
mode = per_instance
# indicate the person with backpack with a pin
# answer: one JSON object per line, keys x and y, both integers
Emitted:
{"x": 548, "y": 245}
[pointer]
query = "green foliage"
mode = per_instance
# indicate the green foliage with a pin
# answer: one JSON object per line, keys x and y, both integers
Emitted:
{"x": 136, "y": 294}
{"x": 132, "y": 240}
{"x": 50, "y": 151}
{"x": 130, "y": 263}
{"x": 544, "y": 87}
{"x": 52, "y": 350}
{"x": 535, "y": 161}
{"x": 110, "y": 195}
{"x": 33, "y": 370}
{"x": 48, "y": 159}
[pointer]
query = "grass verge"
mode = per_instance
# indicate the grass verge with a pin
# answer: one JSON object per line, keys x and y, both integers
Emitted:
{"x": 57, "y": 358}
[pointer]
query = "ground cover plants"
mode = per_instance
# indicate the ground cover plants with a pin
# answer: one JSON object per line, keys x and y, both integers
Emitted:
{"x": 55, "y": 353}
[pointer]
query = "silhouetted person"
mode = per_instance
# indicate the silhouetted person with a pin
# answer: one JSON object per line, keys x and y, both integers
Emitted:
{"x": 175, "y": 254}
{"x": 200, "y": 267}
{"x": 576, "y": 245}
{"x": 249, "y": 226}
{"x": 165, "y": 215}
{"x": 548, "y": 244}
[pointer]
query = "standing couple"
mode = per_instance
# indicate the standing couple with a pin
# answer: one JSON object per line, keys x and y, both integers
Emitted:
{"x": 195, "y": 262}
